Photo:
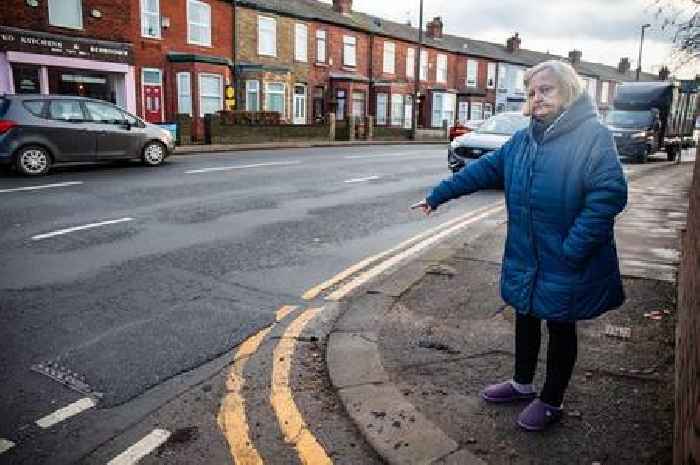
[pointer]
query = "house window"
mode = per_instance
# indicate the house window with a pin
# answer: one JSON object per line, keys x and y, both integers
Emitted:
{"x": 502, "y": 82}
{"x": 472, "y": 68}
{"x": 349, "y": 43}
{"x": 252, "y": 95}
{"x": 591, "y": 88}
{"x": 66, "y": 13}
{"x": 267, "y": 36}
{"x": 408, "y": 112}
{"x": 301, "y": 41}
{"x": 441, "y": 68}
{"x": 604, "y": 90}
{"x": 411, "y": 63}
{"x": 318, "y": 104}
{"x": 381, "y": 108}
{"x": 463, "y": 112}
{"x": 320, "y": 46}
{"x": 150, "y": 18}
{"x": 389, "y": 57}
{"x": 184, "y": 93}
{"x": 488, "y": 110}
{"x": 443, "y": 109}
{"x": 477, "y": 111}
{"x": 274, "y": 97}
{"x": 520, "y": 79}
{"x": 211, "y": 94}
{"x": 491, "y": 76}
{"x": 423, "y": 65}
{"x": 198, "y": 23}
{"x": 358, "y": 104}
{"x": 340, "y": 105}
{"x": 397, "y": 110}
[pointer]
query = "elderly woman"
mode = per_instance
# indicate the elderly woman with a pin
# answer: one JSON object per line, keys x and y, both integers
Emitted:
{"x": 563, "y": 188}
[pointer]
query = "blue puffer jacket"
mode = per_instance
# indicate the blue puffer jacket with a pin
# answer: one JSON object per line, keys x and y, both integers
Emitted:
{"x": 562, "y": 196}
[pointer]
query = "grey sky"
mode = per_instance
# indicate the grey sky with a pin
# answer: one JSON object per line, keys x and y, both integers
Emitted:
{"x": 604, "y": 30}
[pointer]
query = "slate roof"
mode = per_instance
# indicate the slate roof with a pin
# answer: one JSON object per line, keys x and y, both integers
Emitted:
{"x": 315, "y": 10}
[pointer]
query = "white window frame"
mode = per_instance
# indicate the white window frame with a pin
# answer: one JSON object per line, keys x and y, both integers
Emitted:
{"x": 382, "y": 97}
{"x": 397, "y": 103}
{"x": 199, "y": 88}
{"x": 487, "y": 110}
{"x": 476, "y": 107}
{"x": 472, "y": 73}
{"x": 491, "y": 75}
{"x": 411, "y": 63}
{"x": 441, "y": 75}
{"x": 190, "y": 23}
{"x": 55, "y": 5}
{"x": 283, "y": 113}
{"x": 321, "y": 46}
{"x": 463, "y": 112}
{"x": 389, "y": 57}
{"x": 355, "y": 113}
{"x": 350, "y": 44}
{"x": 250, "y": 89}
{"x": 424, "y": 65}
{"x": 184, "y": 91}
{"x": 301, "y": 42}
{"x": 445, "y": 99}
{"x": 271, "y": 51}
{"x": 604, "y": 91}
{"x": 145, "y": 14}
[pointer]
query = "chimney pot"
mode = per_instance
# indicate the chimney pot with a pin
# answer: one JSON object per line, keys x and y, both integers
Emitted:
{"x": 664, "y": 73}
{"x": 575, "y": 57}
{"x": 434, "y": 28}
{"x": 343, "y": 7}
{"x": 624, "y": 66}
{"x": 513, "y": 43}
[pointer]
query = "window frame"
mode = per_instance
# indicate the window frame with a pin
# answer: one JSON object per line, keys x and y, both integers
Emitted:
{"x": 190, "y": 40}
{"x": 322, "y": 37}
{"x": 383, "y": 114}
{"x": 604, "y": 92}
{"x": 349, "y": 41}
{"x": 273, "y": 46}
{"x": 297, "y": 56}
{"x": 396, "y": 120}
{"x": 283, "y": 113}
{"x": 248, "y": 91}
{"x": 424, "y": 65}
{"x": 180, "y": 93}
{"x": 81, "y": 22}
{"x": 411, "y": 63}
{"x": 200, "y": 94}
{"x": 472, "y": 69}
{"x": 441, "y": 57}
{"x": 389, "y": 57}
{"x": 491, "y": 75}
{"x": 145, "y": 13}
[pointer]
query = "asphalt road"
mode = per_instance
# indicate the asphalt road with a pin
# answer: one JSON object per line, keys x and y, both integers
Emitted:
{"x": 179, "y": 264}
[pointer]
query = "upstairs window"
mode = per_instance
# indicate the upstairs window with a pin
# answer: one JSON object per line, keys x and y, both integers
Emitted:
{"x": 198, "y": 23}
{"x": 301, "y": 41}
{"x": 441, "y": 68}
{"x": 66, "y": 13}
{"x": 491, "y": 76}
{"x": 150, "y": 18}
{"x": 472, "y": 69}
{"x": 411, "y": 63}
{"x": 389, "y": 57}
{"x": 424, "y": 65}
{"x": 320, "y": 46}
{"x": 349, "y": 45}
{"x": 267, "y": 36}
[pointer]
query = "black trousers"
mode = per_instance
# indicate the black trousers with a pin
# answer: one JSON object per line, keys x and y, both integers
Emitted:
{"x": 561, "y": 355}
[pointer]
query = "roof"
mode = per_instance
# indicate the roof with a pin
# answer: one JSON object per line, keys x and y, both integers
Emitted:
{"x": 315, "y": 10}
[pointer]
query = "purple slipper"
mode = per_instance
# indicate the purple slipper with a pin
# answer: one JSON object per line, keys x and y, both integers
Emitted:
{"x": 538, "y": 416}
{"x": 505, "y": 392}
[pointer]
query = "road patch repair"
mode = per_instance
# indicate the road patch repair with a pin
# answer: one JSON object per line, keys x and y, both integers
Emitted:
{"x": 415, "y": 345}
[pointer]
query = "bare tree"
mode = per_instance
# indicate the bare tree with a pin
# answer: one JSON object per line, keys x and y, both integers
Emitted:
{"x": 679, "y": 21}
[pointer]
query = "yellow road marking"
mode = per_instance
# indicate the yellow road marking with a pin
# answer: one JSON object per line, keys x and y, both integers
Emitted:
{"x": 232, "y": 416}
{"x": 315, "y": 291}
{"x": 284, "y": 311}
{"x": 289, "y": 418}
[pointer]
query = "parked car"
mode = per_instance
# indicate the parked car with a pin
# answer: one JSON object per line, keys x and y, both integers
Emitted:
{"x": 488, "y": 137}
{"x": 460, "y": 129}
{"x": 37, "y": 131}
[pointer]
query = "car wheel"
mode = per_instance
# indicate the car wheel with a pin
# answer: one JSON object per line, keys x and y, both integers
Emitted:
{"x": 33, "y": 161}
{"x": 153, "y": 154}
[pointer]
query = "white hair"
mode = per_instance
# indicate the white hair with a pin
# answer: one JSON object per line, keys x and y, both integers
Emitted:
{"x": 565, "y": 74}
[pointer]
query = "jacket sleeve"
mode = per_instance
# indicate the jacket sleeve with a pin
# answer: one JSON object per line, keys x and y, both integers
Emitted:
{"x": 605, "y": 196}
{"x": 487, "y": 172}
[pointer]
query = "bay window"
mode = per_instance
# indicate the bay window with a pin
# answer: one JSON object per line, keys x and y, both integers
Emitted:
{"x": 382, "y": 100}
{"x": 275, "y": 97}
{"x": 443, "y": 109}
{"x": 397, "y": 110}
{"x": 184, "y": 93}
{"x": 252, "y": 95}
{"x": 211, "y": 93}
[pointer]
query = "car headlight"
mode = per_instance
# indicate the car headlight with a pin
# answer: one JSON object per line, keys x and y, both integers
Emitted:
{"x": 639, "y": 135}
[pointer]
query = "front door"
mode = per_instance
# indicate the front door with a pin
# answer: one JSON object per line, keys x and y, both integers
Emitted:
{"x": 152, "y": 103}
{"x": 299, "y": 104}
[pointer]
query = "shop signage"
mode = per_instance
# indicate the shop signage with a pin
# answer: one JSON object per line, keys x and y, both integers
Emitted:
{"x": 20, "y": 40}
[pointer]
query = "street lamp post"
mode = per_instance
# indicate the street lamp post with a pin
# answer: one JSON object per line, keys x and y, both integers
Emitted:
{"x": 416, "y": 75}
{"x": 641, "y": 42}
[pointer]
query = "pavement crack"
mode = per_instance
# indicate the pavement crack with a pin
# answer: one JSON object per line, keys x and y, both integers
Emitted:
{"x": 456, "y": 359}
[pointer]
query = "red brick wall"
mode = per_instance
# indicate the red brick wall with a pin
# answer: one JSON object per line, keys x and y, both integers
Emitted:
{"x": 115, "y": 23}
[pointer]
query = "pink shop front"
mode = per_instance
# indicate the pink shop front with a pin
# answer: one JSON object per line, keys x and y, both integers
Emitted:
{"x": 40, "y": 63}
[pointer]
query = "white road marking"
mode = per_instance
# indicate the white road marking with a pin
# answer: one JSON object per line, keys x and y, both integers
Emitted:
{"x": 79, "y": 228}
{"x": 66, "y": 412}
{"x": 5, "y": 445}
{"x": 45, "y": 186}
{"x": 241, "y": 167}
{"x": 368, "y": 178}
{"x": 145, "y": 446}
{"x": 385, "y": 155}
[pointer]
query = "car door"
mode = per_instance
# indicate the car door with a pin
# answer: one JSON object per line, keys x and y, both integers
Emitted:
{"x": 114, "y": 133}
{"x": 68, "y": 131}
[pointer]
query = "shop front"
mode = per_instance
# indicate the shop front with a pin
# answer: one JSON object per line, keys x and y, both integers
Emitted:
{"x": 40, "y": 63}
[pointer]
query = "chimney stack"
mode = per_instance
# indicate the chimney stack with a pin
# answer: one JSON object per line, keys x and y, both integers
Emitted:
{"x": 575, "y": 57}
{"x": 664, "y": 73}
{"x": 434, "y": 28}
{"x": 624, "y": 66}
{"x": 344, "y": 7}
{"x": 513, "y": 43}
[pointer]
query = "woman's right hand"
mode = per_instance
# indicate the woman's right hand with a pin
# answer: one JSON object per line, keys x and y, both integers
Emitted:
{"x": 422, "y": 206}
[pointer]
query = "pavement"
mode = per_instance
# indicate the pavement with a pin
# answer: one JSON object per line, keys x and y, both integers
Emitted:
{"x": 215, "y": 148}
{"x": 411, "y": 350}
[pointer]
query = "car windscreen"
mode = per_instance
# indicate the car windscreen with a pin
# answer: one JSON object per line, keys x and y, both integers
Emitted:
{"x": 503, "y": 124}
{"x": 629, "y": 119}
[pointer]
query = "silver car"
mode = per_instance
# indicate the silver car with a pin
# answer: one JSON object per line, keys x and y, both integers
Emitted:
{"x": 37, "y": 131}
{"x": 488, "y": 137}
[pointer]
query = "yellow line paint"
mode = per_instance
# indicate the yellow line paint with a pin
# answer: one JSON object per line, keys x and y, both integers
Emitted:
{"x": 232, "y": 414}
{"x": 291, "y": 423}
{"x": 315, "y": 291}
{"x": 284, "y": 311}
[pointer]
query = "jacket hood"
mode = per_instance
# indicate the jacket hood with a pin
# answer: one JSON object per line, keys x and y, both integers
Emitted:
{"x": 580, "y": 111}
